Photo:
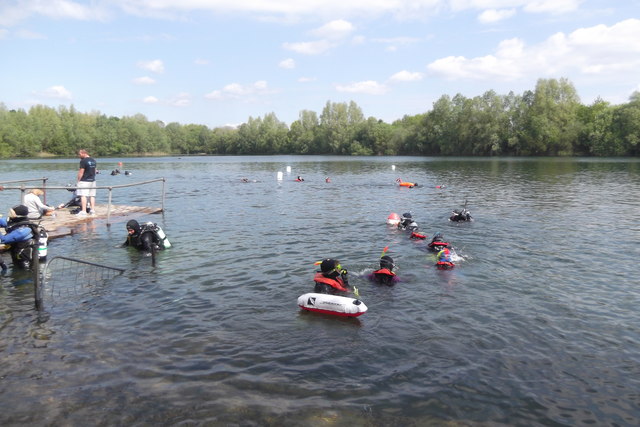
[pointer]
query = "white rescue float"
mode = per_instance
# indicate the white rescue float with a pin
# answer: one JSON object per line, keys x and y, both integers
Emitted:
{"x": 332, "y": 304}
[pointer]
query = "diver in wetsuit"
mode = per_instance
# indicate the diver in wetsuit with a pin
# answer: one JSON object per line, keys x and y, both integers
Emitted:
{"x": 145, "y": 237}
{"x": 385, "y": 274}
{"x": 331, "y": 279}
{"x": 22, "y": 236}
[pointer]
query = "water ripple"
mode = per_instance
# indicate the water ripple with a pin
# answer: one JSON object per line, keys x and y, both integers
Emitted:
{"x": 537, "y": 325}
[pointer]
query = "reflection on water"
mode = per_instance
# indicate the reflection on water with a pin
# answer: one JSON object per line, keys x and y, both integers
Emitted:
{"x": 538, "y": 323}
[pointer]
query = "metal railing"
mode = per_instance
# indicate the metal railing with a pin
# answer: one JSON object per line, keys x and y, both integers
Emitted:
{"x": 23, "y": 189}
{"x": 43, "y": 187}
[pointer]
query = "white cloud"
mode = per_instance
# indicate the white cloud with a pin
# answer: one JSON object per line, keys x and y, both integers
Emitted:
{"x": 56, "y": 92}
{"x": 201, "y": 61}
{"x": 15, "y": 11}
{"x": 215, "y": 94}
{"x": 12, "y": 13}
{"x": 145, "y": 80}
{"x": 150, "y": 100}
{"x": 369, "y": 87}
{"x": 65, "y": 9}
{"x": 490, "y": 16}
{"x": 330, "y": 35}
{"x": 532, "y": 6}
{"x": 552, "y": 6}
{"x": 309, "y": 48}
{"x": 334, "y": 30}
{"x": 183, "y": 99}
{"x": 155, "y": 66}
{"x": 603, "y": 50}
{"x": 406, "y": 76}
{"x": 307, "y": 79}
{"x": 238, "y": 91}
{"x": 287, "y": 63}
{"x": 288, "y": 9}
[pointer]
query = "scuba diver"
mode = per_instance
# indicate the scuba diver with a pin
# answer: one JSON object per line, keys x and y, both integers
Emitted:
{"x": 22, "y": 236}
{"x": 146, "y": 237}
{"x": 443, "y": 260}
{"x": 331, "y": 279}
{"x": 407, "y": 222}
{"x": 437, "y": 243}
{"x": 385, "y": 275}
{"x": 74, "y": 202}
{"x": 459, "y": 215}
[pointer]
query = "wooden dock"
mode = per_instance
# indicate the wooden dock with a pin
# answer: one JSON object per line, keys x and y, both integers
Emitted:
{"x": 64, "y": 223}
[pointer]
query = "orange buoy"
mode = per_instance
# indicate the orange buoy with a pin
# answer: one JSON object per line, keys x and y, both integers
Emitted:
{"x": 402, "y": 183}
{"x": 393, "y": 219}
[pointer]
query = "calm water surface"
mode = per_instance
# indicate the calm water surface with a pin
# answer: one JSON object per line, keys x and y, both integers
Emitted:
{"x": 537, "y": 325}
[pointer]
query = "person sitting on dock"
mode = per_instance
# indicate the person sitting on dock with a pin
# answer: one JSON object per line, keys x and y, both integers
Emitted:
{"x": 145, "y": 237}
{"x": 34, "y": 204}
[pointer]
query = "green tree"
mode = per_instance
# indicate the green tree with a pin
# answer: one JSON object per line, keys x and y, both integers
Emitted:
{"x": 178, "y": 138}
{"x": 596, "y": 137}
{"x": 626, "y": 127}
{"x": 338, "y": 123}
{"x": 304, "y": 133}
{"x": 553, "y": 124}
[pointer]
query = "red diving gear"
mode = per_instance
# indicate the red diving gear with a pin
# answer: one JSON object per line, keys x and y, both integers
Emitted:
{"x": 336, "y": 283}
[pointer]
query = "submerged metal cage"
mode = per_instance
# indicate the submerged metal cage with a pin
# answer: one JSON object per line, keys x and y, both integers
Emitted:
{"x": 62, "y": 277}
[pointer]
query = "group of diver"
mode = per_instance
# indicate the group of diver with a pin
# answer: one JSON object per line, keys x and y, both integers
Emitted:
{"x": 333, "y": 278}
{"x": 23, "y": 236}
{"x": 437, "y": 245}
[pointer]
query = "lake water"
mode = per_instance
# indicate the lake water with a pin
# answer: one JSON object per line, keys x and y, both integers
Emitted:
{"x": 538, "y": 324}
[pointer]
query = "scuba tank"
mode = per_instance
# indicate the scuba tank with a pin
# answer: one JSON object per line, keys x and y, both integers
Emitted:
{"x": 163, "y": 237}
{"x": 43, "y": 238}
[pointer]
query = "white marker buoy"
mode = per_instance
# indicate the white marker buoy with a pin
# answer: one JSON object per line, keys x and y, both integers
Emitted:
{"x": 279, "y": 176}
{"x": 393, "y": 167}
{"x": 288, "y": 169}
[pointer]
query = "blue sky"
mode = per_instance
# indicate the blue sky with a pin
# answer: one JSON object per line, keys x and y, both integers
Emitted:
{"x": 218, "y": 62}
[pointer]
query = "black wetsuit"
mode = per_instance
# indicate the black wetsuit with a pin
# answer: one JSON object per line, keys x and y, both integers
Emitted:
{"x": 145, "y": 240}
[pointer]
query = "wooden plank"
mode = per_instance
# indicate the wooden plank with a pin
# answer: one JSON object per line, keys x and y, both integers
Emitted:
{"x": 64, "y": 223}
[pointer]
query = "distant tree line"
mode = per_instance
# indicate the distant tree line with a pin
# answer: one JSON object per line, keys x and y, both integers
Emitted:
{"x": 548, "y": 121}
